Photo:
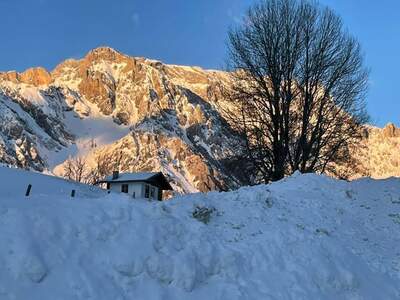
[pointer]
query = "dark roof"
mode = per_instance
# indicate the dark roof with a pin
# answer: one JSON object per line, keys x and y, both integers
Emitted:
{"x": 155, "y": 178}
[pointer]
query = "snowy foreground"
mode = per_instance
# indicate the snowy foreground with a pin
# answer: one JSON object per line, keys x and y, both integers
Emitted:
{"x": 306, "y": 237}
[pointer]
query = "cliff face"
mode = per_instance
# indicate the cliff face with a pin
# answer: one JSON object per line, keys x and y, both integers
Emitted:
{"x": 33, "y": 76}
{"x": 380, "y": 155}
{"x": 143, "y": 113}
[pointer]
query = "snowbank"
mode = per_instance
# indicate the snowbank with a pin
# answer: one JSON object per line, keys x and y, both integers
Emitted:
{"x": 14, "y": 182}
{"x": 306, "y": 237}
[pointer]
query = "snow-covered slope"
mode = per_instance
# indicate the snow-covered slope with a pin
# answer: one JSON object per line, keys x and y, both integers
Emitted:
{"x": 14, "y": 183}
{"x": 306, "y": 237}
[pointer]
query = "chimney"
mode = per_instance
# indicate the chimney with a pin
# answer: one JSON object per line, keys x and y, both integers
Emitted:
{"x": 115, "y": 175}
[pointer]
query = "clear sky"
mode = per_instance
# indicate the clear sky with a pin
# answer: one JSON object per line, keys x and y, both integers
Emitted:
{"x": 190, "y": 32}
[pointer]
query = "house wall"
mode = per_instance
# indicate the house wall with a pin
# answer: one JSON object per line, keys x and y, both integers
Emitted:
{"x": 135, "y": 187}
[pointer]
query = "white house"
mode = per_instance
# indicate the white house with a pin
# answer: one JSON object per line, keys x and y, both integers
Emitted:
{"x": 148, "y": 185}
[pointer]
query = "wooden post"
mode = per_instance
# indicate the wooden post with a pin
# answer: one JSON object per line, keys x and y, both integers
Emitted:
{"x": 73, "y": 193}
{"x": 28, "y": 190}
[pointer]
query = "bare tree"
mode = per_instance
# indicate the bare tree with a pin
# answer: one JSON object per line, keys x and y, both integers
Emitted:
{"x": 76, "y": 169}
{"x": 118, "y": 157}
{"x": 68, "y": 169}
{"x": 80, "y": 169}
{"x": 103, "y": 167}
{"x": 104, "y": 164}
{"x": 298, "y": 87}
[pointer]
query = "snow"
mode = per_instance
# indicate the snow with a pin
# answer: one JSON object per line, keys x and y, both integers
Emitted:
{"x": 32, "y": 93}
{"x": 15, "y": 181}
{"x": 96, "y": 129}
{"x": 68, "y": 78}
{"x": 6, "y": 113}
{"x": 174, "y": 173}
{"x": 305, "y": 237}
{"x": 132, "y": 176}
{"x": 113, "y": 70}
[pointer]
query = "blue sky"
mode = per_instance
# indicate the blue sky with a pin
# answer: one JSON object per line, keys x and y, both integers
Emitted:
{"x": 190, "y": 32}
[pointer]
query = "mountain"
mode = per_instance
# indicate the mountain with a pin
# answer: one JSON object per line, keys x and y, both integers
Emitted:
{"x": 158, "y": 117}
{"x": 305, "y": 237}
{"x": 140, "y": 114}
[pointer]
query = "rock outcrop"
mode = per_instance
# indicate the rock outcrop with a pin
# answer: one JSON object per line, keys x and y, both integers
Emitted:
{"x": 390, "y": 131}
{"x": 33, "y": 76}
{"x": 378, "y": 155}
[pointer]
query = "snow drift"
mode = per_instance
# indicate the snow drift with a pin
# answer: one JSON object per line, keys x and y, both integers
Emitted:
{"x": 306, "y": 237}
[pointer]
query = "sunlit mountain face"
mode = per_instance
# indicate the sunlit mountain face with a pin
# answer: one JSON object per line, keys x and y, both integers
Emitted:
{"x": 145, "y": 116}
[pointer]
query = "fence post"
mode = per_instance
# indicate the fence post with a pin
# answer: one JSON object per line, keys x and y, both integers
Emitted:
{"x": 28, "y": 190}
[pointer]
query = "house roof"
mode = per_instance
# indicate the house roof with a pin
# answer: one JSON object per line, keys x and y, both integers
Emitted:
{"x": 155, "y": 178}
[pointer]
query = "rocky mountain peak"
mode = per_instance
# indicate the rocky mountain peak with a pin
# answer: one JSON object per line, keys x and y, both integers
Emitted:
{"x": 390, "y": 130}
{"x": 61, "y": 68}
{"x": 104, "y": 53}
{"x": 37, "y": 76}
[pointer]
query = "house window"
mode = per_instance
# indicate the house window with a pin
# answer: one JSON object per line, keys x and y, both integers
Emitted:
{"x": 152, "y": 192}
{"x": 108, "y": 185}
{"x": 124, "y": 188}
{"x": 146, "y": 191}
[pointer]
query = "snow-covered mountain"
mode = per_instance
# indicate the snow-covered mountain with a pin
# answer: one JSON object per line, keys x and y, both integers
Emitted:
{"x": 305, "y": 237}
{"x": 142, "y": 113}
{"x": 160, "y": 117}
